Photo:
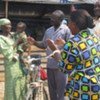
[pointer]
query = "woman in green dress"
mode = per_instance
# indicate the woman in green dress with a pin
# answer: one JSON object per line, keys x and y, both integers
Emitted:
{"x": 15, "y": 79}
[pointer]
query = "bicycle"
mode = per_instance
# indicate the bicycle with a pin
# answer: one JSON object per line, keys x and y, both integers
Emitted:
{"x": 36, "y": 86}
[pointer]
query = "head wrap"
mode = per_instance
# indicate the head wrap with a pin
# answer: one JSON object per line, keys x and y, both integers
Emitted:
{"x": 4, "y": 21}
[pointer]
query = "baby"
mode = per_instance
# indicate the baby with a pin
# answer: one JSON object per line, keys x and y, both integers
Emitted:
{"x": 20, "y": 37}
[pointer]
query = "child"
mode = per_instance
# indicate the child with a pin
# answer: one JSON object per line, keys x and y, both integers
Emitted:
{"x": 21, "y": 43}
{"x": 20, "y": 37}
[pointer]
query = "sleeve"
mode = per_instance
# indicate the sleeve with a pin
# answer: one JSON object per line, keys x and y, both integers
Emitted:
{"x": 44, "y": 43}
{"x": 68, "y": 58}
{"x": 97, "y": 29}
{"x": 68, "y": 34}
{"x": 7, "y": 51}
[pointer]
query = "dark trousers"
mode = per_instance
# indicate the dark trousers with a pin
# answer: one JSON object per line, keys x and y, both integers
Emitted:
{"x": 56, "y": 83}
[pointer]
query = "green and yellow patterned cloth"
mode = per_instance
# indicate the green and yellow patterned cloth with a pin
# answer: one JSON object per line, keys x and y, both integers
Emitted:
{"x": 20, "y": 36}
{"x": 15, "y": 79}
{"x": 81, "y": 60}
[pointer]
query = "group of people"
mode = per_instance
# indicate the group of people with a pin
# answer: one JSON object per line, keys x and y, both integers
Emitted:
{"x": 74, "y": 68}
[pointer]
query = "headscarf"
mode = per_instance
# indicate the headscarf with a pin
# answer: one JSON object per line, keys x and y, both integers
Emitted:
{"x": 4, "y": 21}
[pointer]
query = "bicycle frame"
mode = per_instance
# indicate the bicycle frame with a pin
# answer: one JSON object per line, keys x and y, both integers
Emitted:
{"x": 35, "y": 81}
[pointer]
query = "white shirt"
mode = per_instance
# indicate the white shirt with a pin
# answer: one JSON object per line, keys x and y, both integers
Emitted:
{"x": 97, "y": 27}
{"x": 63, "y": 32}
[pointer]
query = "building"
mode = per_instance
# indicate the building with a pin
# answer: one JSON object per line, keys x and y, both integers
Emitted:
{"x": 35, "y": 13}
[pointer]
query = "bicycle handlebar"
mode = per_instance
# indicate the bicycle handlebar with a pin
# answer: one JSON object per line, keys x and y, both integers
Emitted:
{"x": 39, "y": 58}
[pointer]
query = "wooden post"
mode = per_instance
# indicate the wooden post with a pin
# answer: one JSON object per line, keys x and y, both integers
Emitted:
{"x": 6, "y": 8}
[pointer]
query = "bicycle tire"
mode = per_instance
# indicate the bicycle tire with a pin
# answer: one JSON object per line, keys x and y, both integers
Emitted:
{"x": 29, "y": 95}
{"x": 46, "y": 95}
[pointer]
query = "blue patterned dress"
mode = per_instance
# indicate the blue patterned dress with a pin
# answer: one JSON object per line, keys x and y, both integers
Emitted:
{"x": 81, "y": 61}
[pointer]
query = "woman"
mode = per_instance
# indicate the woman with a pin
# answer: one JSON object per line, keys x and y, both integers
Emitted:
{"x": 15, "y": 79}
{"x": 80, "y": 59}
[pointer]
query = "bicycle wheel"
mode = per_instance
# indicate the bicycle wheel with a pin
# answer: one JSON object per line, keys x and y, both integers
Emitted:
{"x": 45, "y": 94}
{"x": 40, "y": 96}
{"x": 29, "y": 95}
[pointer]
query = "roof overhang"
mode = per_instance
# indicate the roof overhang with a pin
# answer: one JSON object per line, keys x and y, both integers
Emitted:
{"x": 55, "y": 1}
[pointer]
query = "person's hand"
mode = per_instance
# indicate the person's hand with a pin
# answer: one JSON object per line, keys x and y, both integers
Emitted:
{"x": 53, "y": 47}
{"x": 60, "y": 42}
{"x": 15, "y": 58}
{"x": 31, "y": 40}
{"x": 25, "y": 46}
{"x": 57, "y": 55}
{"x": 51, "y": 44}
{"x": 19, "y": 41}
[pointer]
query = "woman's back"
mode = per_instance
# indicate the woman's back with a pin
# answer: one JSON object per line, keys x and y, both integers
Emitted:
{"x": 82, "y": 54}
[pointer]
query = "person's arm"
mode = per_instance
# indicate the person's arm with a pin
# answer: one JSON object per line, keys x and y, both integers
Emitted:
{"x": 8, "y": 51}
{"x": 39, "y": 44}
{"x": 52, "y": 45}
{"x": 60, "y": 42}
{"x": 54, "y": 48}
{"x": 68, "y": 59}
{"x": 97, "y": 29}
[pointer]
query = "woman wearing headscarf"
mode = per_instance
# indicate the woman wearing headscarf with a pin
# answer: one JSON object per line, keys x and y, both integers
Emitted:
{"x": 80, "y": 59}
{"x": 15, "y": 79}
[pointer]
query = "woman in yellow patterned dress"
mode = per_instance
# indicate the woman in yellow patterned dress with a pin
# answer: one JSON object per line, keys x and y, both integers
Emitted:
{"x": 15, "y": 79}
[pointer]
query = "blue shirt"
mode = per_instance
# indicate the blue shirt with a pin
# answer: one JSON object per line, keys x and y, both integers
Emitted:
{"x": 62, "y": 32}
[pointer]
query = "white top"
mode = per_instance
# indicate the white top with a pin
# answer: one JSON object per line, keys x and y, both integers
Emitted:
{"x": 97, "y": 27}
{"x": 63, "y": 32}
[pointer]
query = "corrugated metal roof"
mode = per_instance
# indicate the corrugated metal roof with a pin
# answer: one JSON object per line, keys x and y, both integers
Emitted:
{"x": 54, "y": 1}
{"x": 35, "y": 1}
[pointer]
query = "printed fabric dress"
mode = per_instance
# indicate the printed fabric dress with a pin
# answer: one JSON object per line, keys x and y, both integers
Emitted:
{"x": 81, "y": 61}
{"x": 23, "y": 37}
{"x": 15, "y": 80}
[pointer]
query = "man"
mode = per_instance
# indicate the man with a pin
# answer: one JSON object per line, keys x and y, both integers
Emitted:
{"x": 97, "y": 18}
{"x": 56, "y": 79}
